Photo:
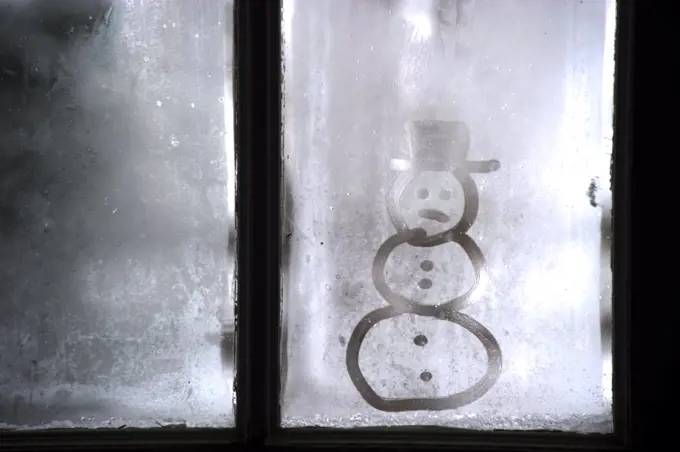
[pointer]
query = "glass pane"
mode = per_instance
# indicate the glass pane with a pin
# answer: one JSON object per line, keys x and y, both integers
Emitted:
{"x": 115, "y": 213}
{"x": 448, "y": 214}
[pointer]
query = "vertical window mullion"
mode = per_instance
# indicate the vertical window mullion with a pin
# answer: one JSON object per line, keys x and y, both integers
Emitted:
{"x": 621, "y": 180}
{"x": 257, "y": 89}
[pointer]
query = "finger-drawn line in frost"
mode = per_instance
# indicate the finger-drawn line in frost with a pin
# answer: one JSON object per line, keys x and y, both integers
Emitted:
{"x": 438, "y": 146}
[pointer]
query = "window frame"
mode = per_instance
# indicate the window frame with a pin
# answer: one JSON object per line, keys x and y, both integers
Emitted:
{"x": 258, "y": 147}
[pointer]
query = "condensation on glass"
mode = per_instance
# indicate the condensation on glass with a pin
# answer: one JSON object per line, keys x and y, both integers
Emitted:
{"x": 116, "y": 200}
{"x": 447, "y": 215}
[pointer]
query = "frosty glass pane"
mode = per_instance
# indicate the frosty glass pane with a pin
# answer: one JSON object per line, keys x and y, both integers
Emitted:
{"x": 115, "y": 211}
{"x": 447, "y": 221}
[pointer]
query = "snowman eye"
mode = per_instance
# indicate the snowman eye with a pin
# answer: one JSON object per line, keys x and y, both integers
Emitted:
{"x": 445, "y": 195}
{"x": 422, "y": 193}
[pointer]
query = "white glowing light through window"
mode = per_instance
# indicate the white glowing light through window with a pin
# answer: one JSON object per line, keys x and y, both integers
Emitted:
{"x": 422, "y": 26}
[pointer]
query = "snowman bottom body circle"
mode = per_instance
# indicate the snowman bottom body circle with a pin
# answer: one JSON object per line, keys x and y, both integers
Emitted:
{"x": 453, "y": 401}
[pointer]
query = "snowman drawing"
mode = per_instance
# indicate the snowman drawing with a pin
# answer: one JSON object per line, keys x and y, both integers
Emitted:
{"x": 438, "y": 162}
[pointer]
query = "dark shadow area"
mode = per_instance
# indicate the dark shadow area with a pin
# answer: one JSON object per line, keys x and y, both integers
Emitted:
{"x": 39, "y": 190}
{"x": 606, "y": 318}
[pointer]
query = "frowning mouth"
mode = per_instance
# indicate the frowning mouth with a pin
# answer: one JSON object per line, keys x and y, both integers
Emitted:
{"x": 435, "y": 215}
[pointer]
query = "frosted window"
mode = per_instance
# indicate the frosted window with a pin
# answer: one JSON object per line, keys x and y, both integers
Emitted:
{"x": 115, "y": 205}
{"x": 447, "y": 220}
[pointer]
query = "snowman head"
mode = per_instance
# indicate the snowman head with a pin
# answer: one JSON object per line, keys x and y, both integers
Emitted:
{"x": 433, "y": 201}
{"x": 439, "y": 203}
